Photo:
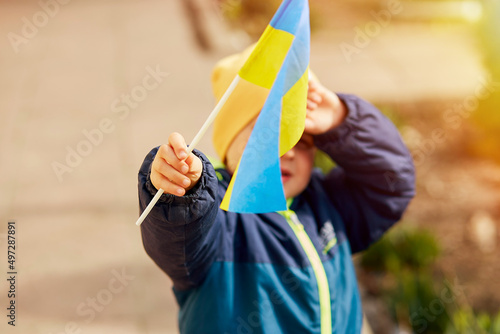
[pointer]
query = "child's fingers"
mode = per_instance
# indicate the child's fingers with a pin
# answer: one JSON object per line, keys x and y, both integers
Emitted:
{"x": 177, "y": 142}
{"x": 309, "y": 126}
{"x": 313, "y": 85}
{"x": 316, "y": 87}
{"x": 166, "y": 152}
{"x": 315, "y": 97}
{"x": 311, "y": 105}
{"x": 173, "y": 170}
{"x": 169, "y": 172}
{"x": 194, "y": 163}
{"x": 161, "y": 181}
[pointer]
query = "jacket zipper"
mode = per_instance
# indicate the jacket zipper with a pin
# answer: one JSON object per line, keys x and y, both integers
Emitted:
{"x": 318, "y": 269}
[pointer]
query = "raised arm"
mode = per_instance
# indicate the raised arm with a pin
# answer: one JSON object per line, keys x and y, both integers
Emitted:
{"x": 375, "y": 178}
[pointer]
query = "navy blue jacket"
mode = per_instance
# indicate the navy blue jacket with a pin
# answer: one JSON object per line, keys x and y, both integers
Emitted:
{"x": 287, "y": 272}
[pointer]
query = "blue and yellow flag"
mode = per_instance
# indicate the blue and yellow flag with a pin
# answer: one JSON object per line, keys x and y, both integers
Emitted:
{"x": 279, "y": 65}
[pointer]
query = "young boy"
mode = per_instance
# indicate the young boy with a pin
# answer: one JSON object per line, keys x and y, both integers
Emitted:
{"x": 280, "y": 272}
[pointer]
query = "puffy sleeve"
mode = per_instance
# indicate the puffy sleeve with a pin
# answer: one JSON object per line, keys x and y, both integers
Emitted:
{"x": 179, "y": 233}
{"x": 375, "y": 178}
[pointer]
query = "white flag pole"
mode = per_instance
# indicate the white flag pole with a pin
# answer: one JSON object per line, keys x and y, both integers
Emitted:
{"x": 193, "y": 144}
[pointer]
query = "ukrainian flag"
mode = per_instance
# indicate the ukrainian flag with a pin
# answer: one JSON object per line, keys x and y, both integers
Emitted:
{"x": 278, "y": 67}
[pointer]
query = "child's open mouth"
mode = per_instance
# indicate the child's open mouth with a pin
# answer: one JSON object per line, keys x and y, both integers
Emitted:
{"x": 285, "y": 175}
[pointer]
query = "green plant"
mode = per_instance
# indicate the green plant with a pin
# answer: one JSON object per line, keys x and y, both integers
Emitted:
{"x": 465, "y": 321}
{"x": 417, "y": 300}
{"x": 413, "y": 295}
{"x": 402, "y": 248}
{"x": 392, "y": 112}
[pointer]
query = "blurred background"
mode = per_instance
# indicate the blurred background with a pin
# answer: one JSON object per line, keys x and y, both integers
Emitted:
{"x": 87, "y": 88}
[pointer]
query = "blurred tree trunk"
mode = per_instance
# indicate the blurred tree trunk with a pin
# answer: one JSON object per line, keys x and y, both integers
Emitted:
{"x": 194, "y": 12}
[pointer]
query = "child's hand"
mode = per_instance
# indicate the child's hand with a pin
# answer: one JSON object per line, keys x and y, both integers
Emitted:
{"x": 173, "y": 170}
{"x": 325, "y": 111}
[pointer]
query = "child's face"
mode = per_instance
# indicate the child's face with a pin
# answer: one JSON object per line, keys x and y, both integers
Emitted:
{"x": 296, "y": 164}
